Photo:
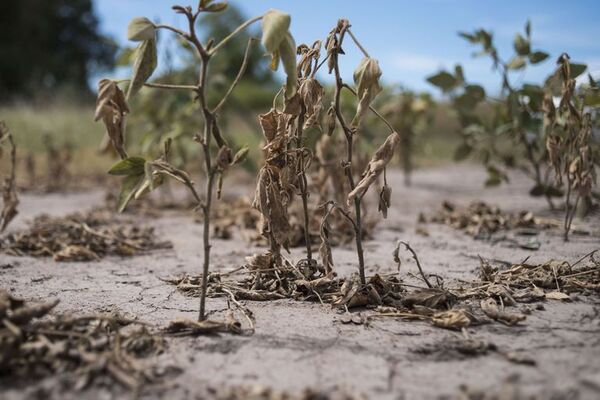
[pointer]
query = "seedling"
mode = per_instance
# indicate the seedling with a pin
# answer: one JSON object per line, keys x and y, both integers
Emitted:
{"x": 569, "y": 142}
{"x": 142, "y": 176}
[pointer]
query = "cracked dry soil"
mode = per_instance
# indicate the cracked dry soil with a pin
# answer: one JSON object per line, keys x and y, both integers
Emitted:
{"x": 301, "y": 345}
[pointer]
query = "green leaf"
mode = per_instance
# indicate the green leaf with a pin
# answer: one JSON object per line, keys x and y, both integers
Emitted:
{"x": 537, "y": 57}
{"x": 128, "y": 166}
{"x": 462, "y": 152}
{"x": 129, "y": 187}
{"x": 216, "y": 7}
{"x": 148, "y": 174}
{"x": 521, "y": 45}
{"x": 141, "y": 29}
{"x": 144, "y": 66}
{"x": 443, "y": 80}
{"x": 240, "y": 156}
{"x": 275, "y": 25}
{"x": 577, "y": 69}
{"x": 516, "y": 63}
{"x": 287, "y": 52}
{"x": 528, "y": 28}
{"x": 124, "y": 57}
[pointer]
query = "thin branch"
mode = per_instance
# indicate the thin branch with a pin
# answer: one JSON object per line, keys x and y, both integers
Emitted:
{"x": 390, "y": 127}
{"x": 232, "y": 34}
{"x": 170, "y": 87}
{"x": 418, "y": 263}
{"x": 237, "y": 79}
{"x": 173, "y": 29}
{"x": 358, "y": 43}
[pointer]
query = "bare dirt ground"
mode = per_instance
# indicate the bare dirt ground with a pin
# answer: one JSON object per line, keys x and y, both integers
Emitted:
{"x": 302, "y": 345}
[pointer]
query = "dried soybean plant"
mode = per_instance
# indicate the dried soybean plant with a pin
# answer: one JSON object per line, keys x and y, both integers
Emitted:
{"x": 569, "y": 143}
{"x": 366, "y": 78}
{"x": 9, "y": 188}
{"x": 142, "y": 176}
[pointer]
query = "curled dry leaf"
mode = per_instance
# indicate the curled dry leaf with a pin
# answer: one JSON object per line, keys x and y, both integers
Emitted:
{"x": 224, "y": 158}
{"x": 311, "y": 93}
{"x": 453, "y": 319}
{"x": 278, "y": 41}
{"x": 112, "y": 108}
{"x": 330, "y": 121}
{"x": 325, "y": 247}
{"x": 431, "y": 298}
{"x": 366, "y": 78}
{"x": 385, "y": 197}
{"x": 269, "y": 201}
{"x": 490, "y": 308}
{"x": 378, "y": 162}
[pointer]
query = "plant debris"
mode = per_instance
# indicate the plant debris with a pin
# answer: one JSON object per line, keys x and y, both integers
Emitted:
{"x": 81, "y": 237}
{"x": 95, "y": 348}
{"x": 258, "y": 392}
{"x": 482, "y": 220}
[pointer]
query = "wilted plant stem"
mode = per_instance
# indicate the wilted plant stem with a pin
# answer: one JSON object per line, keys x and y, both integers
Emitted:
{"x": 303, "y": 183}
{"x": 349, "y": 134}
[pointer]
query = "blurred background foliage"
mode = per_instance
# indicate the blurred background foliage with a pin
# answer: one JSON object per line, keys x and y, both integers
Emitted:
{"x": 51, "y": 53}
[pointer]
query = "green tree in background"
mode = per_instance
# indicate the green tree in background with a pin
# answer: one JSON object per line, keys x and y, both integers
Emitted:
{"x": 50, "y": 44}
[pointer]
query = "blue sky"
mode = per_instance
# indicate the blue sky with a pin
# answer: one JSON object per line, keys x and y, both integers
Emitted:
{"x": 413, "y": 39}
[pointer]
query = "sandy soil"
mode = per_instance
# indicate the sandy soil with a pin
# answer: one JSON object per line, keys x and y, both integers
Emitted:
{"x": 299, "y": 345}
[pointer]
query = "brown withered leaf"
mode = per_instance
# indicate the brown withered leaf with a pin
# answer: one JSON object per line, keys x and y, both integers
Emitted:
{"x": 491, "y": 309}
{"x": 378, "y": 162}
{"x": 330, "y": 121}
{"x": 385, "y": 197}
{"x": 430, "y": 297}
{"x": 112, "y": 108}
{"x": 75, "y": 253}
{"x": 311, "y": 93}
{"x": 453, "y": 319}
{"x": 268, "y": 200}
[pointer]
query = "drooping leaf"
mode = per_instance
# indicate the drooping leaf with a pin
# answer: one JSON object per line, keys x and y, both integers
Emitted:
{"x": 128, "y": 166}
{"x": 516, "y": 63}
{"x": 366, "y": 78}
{"x": 241, "y": 155}
{"x": 141, "y": 29}
{"x": 378, "y": 162}
{"x": 112, "y": 108}
{"x": 143, "y": 67}
{"x": 129, "y": 187}
{"x": 275, "y": 25}
{"x": 287, "y": 52}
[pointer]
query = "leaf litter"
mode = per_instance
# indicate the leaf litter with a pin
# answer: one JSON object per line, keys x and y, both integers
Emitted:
{"x": 86, "y": 236}
{"x": 94, "y": 349}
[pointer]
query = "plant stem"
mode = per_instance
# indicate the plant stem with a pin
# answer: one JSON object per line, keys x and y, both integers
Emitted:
{"x": 206, "y": 139}
{"x": 339, "y": 84}
{"x": 303, "y": 185}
